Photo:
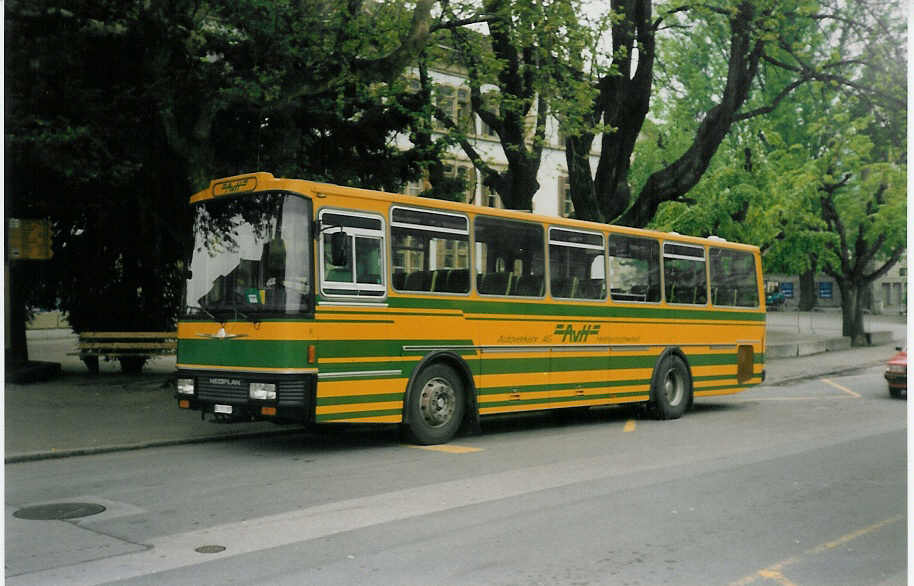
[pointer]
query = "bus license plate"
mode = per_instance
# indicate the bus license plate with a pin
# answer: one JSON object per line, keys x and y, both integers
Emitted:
{"x": 222, "y": 409}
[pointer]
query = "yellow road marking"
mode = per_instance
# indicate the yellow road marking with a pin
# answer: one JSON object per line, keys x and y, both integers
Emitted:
{"x": 629, "y": 425}
{"x": 776, "y": 576}
{"x": 775, "y": 571}
{"x": 448, "y": 449}
{"x": 842, "y": 387}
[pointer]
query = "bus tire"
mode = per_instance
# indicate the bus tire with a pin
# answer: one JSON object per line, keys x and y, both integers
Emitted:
{"x": 671, "y": 387}
{"x": 436, "y": 405}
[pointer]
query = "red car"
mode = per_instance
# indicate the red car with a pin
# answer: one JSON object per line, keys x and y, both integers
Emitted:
{"x": 896, "y": 372}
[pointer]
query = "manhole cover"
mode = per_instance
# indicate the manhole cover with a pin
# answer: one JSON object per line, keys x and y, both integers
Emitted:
{"x": 58, "y": 511}
{"x": 210, "y": 549}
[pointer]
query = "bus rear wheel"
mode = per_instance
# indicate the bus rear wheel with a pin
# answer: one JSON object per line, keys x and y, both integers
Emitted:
{"x": 436, "y": 405}
{"x": 671, "y": 388}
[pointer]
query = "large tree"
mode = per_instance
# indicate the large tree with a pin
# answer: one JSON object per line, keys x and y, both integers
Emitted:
{"x": 519, "y": 72}
{"x": 732, "y": 41}
{"x": 117, "y": 111}
{"x": 820, "y": 184}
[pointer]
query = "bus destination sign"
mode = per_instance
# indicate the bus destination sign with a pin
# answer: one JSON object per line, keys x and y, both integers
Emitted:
{"x": 234, "y": 186}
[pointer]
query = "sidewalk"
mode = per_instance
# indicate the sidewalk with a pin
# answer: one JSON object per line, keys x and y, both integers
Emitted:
{"x": 77, "y": 413}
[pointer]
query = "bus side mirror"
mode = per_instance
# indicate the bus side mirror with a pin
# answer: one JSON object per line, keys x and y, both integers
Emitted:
{"x": 339, "y": 251}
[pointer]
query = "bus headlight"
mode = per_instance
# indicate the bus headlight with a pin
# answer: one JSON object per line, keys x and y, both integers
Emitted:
{"x": 185, "y": 386}
{"x": 263, "y": 391}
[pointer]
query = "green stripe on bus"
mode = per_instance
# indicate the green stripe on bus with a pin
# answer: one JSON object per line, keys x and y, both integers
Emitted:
{"x": 350, "y": 348}
{"x": 607, "y": 362}
{"x": 246, "y": 353}
{"x": 550, "y": 400}
{"x": 560, "y": 386}
{"x": 358, "y": 366}
{"x": 697, "y": 379}
{"x": 358, "y": 399}
{"x": 357, "y": 414}
{"x": 730, "y": 387}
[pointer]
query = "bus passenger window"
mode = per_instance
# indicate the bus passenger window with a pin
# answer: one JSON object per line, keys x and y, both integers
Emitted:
{"x": 733, "y": 280}
{"x": 576, "y": 264}
{"x": 509, "y": 258}
{"x": 368, "y": 259}
{"x": 341, "y": 272}
{"x": 634, "y": 269}
{"x": 684, "y": 275}
{"x": 359, "y": 271}
{"x": 430, "y": 250}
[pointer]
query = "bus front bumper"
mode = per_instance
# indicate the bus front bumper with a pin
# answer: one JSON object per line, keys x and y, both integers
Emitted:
{"x": 239, "y": 397}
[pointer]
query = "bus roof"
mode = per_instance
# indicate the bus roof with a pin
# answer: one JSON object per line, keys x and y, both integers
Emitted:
{"x": 262, "y": 181}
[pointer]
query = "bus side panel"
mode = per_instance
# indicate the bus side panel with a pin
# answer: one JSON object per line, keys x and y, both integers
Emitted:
{"x": 366, "y": 357}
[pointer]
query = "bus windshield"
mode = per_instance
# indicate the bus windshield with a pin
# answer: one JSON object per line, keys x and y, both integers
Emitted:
{"x": 252, "y": 257}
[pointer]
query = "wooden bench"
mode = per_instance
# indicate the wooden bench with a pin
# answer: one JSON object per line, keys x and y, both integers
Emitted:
{"x": 132, "y": 349}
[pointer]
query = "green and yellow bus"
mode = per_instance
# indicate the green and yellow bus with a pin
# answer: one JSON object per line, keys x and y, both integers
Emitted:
{"x": 315, "y": 303}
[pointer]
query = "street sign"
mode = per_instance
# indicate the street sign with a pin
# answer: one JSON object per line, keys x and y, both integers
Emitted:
{"x": 29, "y": 239}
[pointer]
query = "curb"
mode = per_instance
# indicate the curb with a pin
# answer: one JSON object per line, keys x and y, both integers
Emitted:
{"x": 836, "y": 371}
{"x": 812, "y": 347}
{"x": 57, "y": 454}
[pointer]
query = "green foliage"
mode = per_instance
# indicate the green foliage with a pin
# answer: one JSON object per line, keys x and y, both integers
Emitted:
{"x": 118, "y": 111}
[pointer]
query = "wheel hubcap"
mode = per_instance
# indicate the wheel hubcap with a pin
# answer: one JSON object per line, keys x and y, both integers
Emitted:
{"x": 673, "y": 388}
{"x": 437, "y": 402}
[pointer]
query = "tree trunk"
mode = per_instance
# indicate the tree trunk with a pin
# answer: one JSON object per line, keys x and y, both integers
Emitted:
{"x": 580, "y": 178}
{"x": 807, "y": 290}
{"x": 17, "y": 350}
{"x": 852, "y": 312}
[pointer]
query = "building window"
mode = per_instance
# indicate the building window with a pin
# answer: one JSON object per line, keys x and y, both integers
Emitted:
{"x": 825, "y": 290}
{"x": 465, "y": 171}
{"x": 491, "y": 199}
{"x": 455, "y": 102}
{"x": 489, "y": 103}
{"x": 452, "y": 169}
{"x": 416, "y": 187}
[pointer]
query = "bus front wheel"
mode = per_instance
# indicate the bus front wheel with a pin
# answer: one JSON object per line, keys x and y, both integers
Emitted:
{"x": 436, "y": 405}
{"x": 671, "y": 388}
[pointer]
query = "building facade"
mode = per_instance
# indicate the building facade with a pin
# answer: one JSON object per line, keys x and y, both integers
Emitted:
{"x": 888, "y": 294}
{"x": 453, "y": 95}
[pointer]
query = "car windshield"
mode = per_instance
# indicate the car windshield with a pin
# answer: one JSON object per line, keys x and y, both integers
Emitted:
{"x": 252, "y": 256}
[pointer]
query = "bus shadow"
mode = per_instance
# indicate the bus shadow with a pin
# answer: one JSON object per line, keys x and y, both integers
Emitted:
{"x": 341, "y": 437}
{"x": 561, "y": 419}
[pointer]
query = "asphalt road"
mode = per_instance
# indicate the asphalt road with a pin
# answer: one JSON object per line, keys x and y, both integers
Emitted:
{"x": 802, "y": 484}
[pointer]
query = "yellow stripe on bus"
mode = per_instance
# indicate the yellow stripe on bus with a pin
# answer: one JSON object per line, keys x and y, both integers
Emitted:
{"x": 332, "y": 388}
{"x": 718, "y": 393}
{"x": 356, "y": 407}
{"x": 348, "y": 359}
{"x": 375, "y": 419}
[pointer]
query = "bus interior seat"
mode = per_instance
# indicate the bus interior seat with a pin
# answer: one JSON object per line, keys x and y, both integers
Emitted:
{"x": 458, "y": 281}
{"x": 439, "y": 280}
{"x": 528, "y": 286}
{"x": 417, "y": 281}
{"x": 561, "y": 287}
{"x": 495, "y": 283}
